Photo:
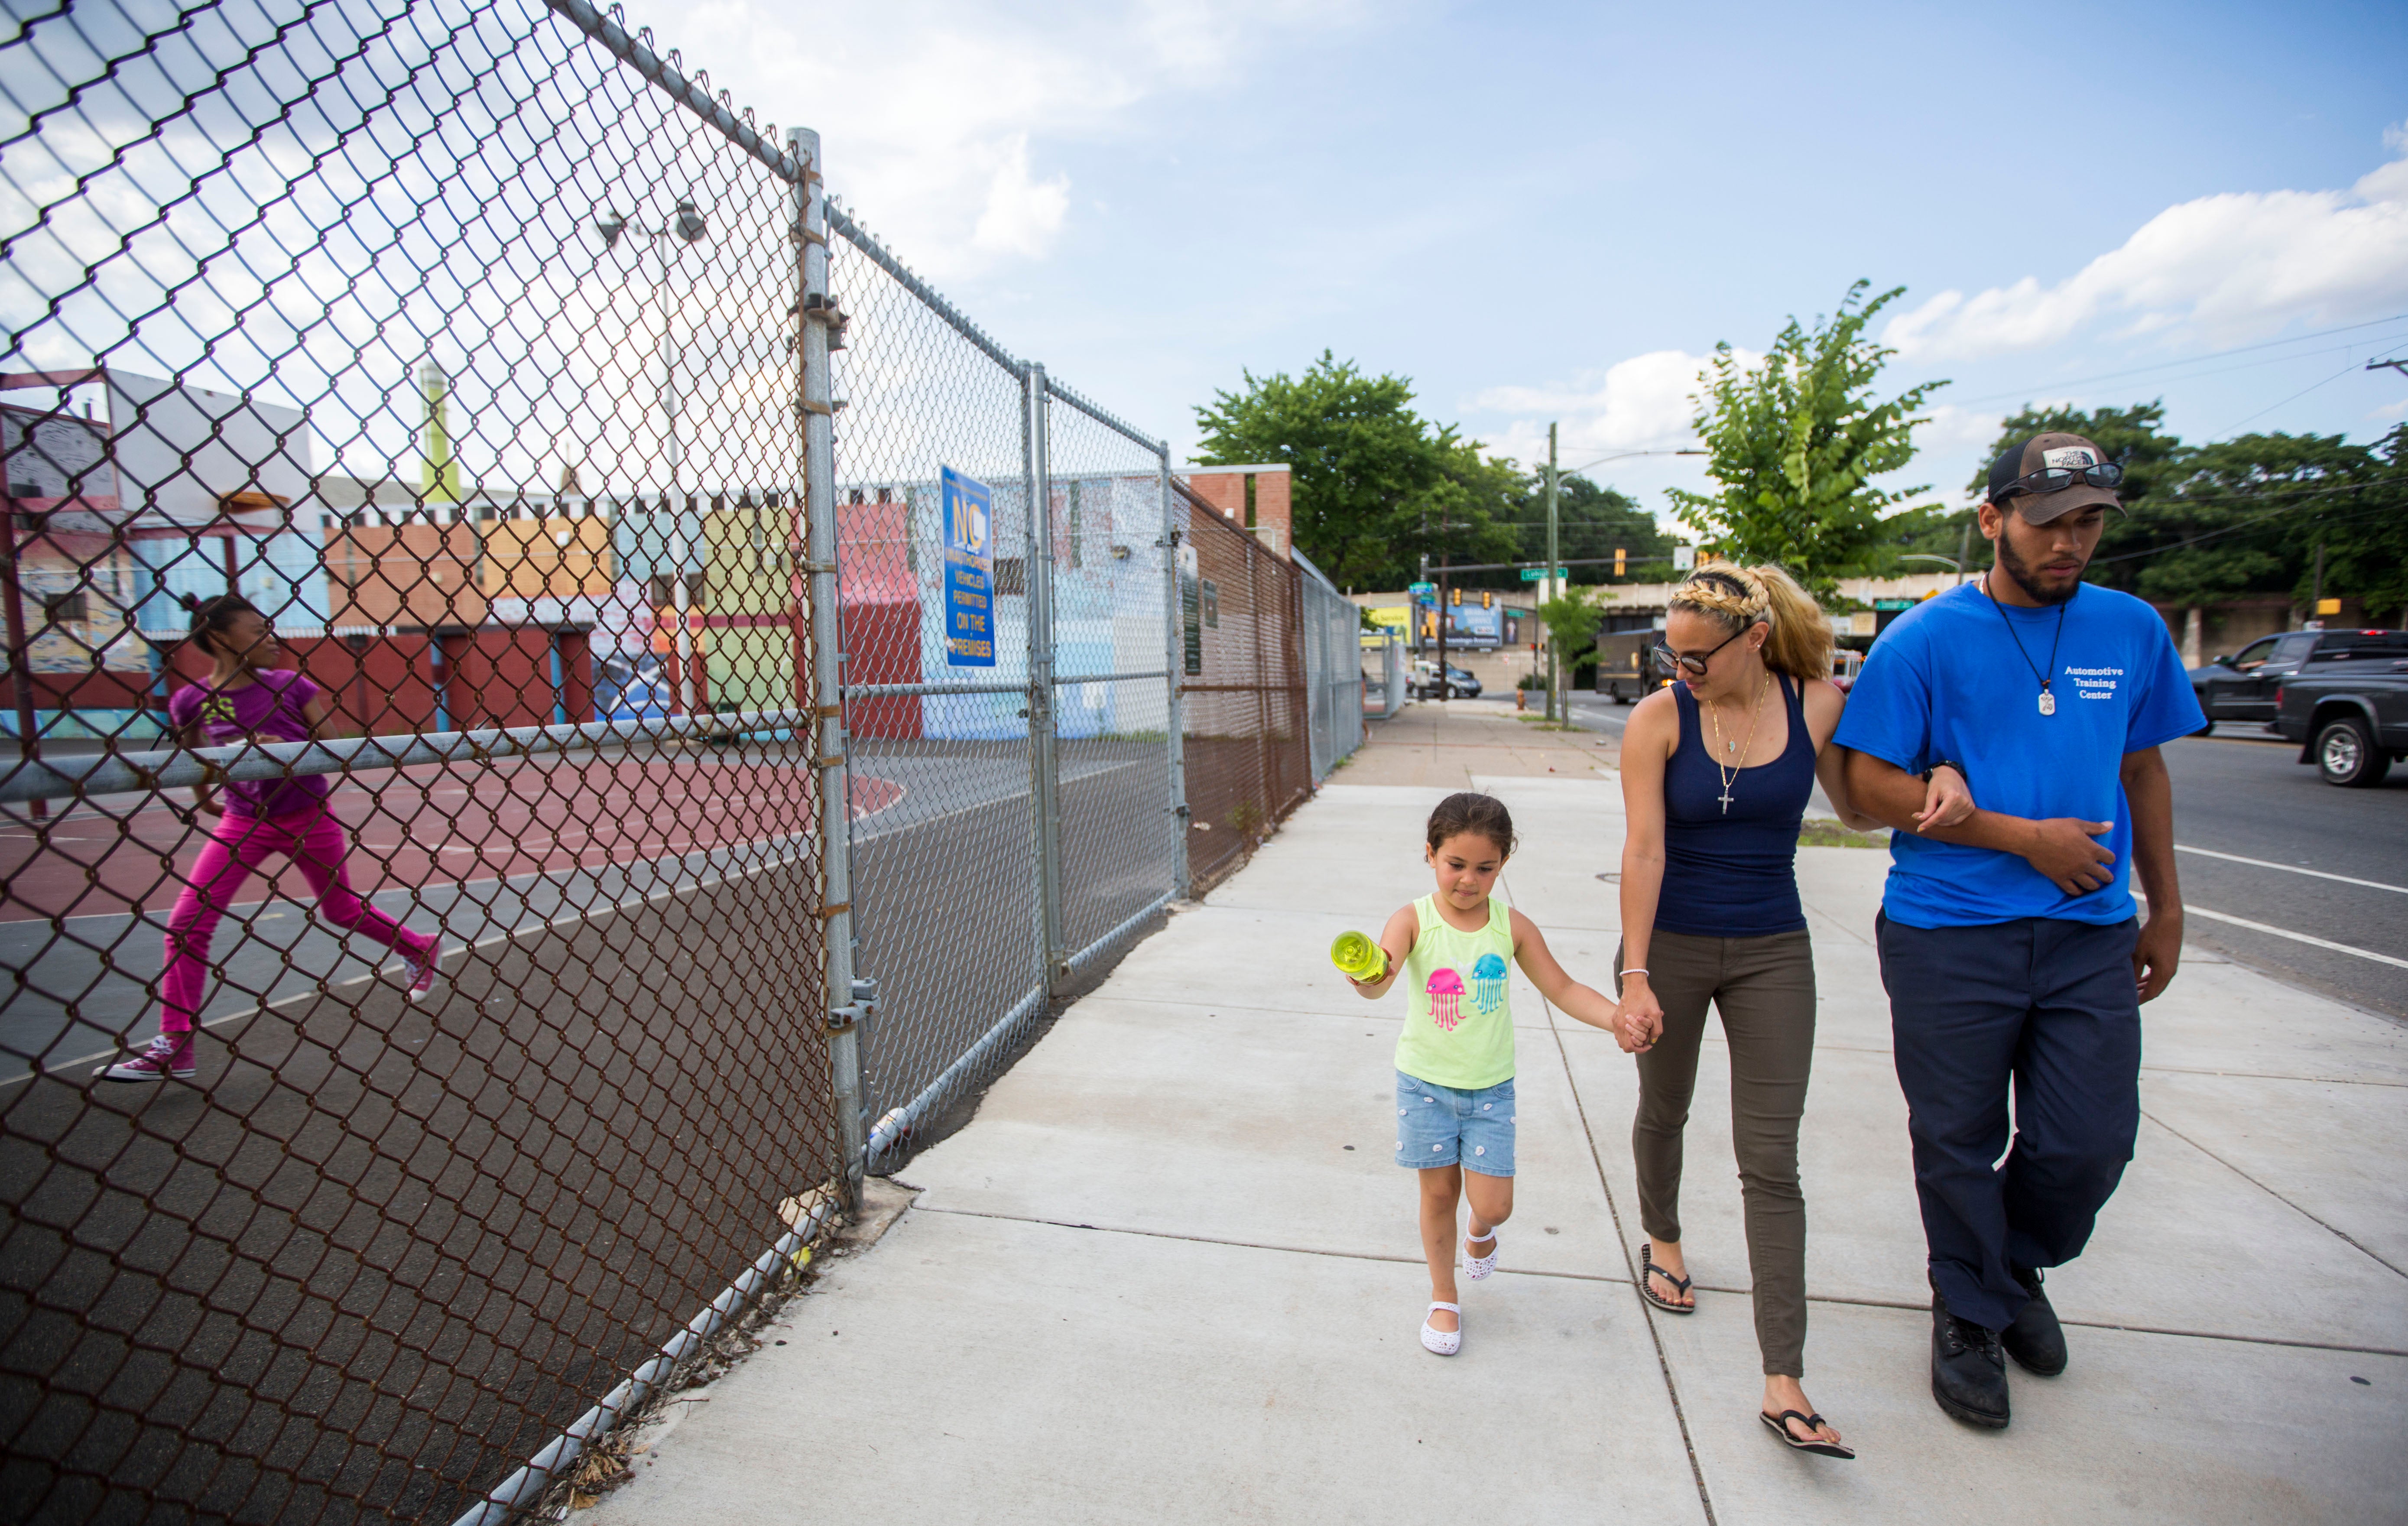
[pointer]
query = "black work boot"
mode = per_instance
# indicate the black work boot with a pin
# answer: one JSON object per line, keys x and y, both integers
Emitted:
{"x": 1968, "y": 1376}
{"x": 2035, "y": 1339}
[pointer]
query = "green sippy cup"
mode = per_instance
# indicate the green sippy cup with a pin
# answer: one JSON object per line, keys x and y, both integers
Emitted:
{"x": 1357, "y": 957}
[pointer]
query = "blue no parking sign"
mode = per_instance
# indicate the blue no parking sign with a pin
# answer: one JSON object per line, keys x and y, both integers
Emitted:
{"x": 969, "y": 569}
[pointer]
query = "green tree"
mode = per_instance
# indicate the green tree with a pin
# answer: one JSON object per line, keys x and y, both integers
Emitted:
{"x": 2241, "y": 516}
{"x": 2366, "y": 534}
{"x": 1795, "y": 444}
{"x": 1375, "y": 486}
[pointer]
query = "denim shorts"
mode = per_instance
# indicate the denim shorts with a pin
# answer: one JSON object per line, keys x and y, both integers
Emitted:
{"x": 1440, "y": 1126}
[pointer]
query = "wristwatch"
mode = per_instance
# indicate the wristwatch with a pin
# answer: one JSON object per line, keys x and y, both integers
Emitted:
{"x": 1946, "y": 763}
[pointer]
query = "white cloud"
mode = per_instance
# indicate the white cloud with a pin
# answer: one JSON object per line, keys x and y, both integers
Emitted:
{"x": 1021, "y": 214}
{"x": 936, "y": 119}
{"x": 1640, "y": 404}
{"x": 2230, "y": 267}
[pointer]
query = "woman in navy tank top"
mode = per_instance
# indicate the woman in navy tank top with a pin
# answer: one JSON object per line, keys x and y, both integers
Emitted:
{"x": 1716, "y": 772}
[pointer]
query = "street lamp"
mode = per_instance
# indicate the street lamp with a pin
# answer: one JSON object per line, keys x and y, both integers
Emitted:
{"x": 1547, "y": 584}
{"x": 689, "y": 223}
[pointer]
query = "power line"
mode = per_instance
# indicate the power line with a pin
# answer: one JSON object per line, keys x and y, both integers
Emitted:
{"x": 2256, "y": 519}
{"x": 2191, "y": 360}
{"x": 2293, "y": 398}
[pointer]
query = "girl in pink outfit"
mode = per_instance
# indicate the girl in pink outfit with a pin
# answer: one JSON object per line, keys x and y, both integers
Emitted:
{"x": 248, "y": 700}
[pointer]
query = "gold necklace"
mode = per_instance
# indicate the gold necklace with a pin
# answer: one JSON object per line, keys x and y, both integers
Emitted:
{"x": 1714, "y": 715}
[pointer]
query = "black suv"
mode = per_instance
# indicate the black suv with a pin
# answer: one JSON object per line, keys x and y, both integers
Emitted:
{"x": 2240, "y": 686}
{"x": 2347, "y": 705}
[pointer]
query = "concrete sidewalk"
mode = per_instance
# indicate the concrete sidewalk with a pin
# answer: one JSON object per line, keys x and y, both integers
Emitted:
{"x": 1169, "y": 1272}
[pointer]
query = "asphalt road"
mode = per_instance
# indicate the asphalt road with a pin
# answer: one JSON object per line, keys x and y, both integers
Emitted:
{"x": 2248, "y": 799}
{"x": 2245, "y": 798}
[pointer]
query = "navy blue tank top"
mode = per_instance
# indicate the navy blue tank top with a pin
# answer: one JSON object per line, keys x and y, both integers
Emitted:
{"x": 1734, "y": 875}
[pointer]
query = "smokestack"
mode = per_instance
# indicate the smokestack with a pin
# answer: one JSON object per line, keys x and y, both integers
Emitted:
{"x": 441, "y": 468}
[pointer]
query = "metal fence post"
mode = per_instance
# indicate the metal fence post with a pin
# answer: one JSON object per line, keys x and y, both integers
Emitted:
{"x": 1174, "y": 663}
{"x": 827, "y": 679}
{"x": 1044, "y": 777}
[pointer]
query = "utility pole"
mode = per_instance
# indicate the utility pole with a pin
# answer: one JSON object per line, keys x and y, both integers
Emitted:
{"x": 1965, "y": 548}
{"x": 2315, "y": 620}
{"x": 1444, "y": 679}
{"x": 1554, "y": 648}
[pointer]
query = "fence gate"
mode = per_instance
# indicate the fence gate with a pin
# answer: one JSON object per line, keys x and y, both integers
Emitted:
{"x": 1016, "y": 818}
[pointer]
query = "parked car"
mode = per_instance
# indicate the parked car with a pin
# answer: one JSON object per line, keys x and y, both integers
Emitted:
{"x": 2347, "y": 706}
{"x": 1459, "y": 684}
{"x": 2240, "y": 686}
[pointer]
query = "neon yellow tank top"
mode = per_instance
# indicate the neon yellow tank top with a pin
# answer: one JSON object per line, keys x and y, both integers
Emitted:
{"x": 1458, "y": 1022}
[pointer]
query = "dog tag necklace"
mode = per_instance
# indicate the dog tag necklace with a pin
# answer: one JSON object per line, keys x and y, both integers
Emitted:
{"x": 2048, "y": 696}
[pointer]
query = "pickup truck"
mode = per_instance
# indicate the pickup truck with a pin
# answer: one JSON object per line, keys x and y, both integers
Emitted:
{"x": 2240, "y": 686}
{"x": 2347, "y": 706}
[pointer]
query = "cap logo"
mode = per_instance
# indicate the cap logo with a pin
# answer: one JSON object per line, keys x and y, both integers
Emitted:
{"x": 2068, "y": 457}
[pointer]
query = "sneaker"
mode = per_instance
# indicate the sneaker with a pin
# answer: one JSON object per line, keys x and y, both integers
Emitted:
{"x": 421, "y": 968}
{"x": 169, "y": 1057}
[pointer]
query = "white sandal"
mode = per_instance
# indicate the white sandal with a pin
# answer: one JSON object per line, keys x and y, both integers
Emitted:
{"x": 1446, "y": 1343}
{"x": 1478, "y": 1267}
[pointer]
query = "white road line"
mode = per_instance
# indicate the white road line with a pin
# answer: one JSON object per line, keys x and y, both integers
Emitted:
{"x": 2289, "y": 869}
{"x": 2296, "y": 936}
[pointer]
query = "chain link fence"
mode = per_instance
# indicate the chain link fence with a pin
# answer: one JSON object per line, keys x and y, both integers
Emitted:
{"x": 1329, "y": 630}
{"x": 1007, "y": 692}
{"x": 412, "y": 901}
{"x": 562, "y": 704}
{"x": 1243, "y": 692}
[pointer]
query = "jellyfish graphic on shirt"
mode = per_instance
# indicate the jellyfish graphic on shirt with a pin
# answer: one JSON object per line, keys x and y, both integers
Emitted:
{"x": 1487, "y": 983}
{"x": 1445, "y": 998}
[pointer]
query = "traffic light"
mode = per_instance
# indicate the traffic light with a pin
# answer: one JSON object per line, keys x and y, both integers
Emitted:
{"x": 1618, "y": 562}
{"x": 1457, "y": 598}
{"x": 1487, "y": 600}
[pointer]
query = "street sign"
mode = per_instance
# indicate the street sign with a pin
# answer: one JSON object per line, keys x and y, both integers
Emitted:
{"x": 1685, "y": 558}
{"x": 1539, "y": 574}
{"x": 1425, "y": 589}
{"x": 969, "y": 509}
{"x": 1893, "y": 603}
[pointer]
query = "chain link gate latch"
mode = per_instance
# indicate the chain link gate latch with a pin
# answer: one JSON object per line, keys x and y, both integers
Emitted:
{"x": 857, "y": 1013}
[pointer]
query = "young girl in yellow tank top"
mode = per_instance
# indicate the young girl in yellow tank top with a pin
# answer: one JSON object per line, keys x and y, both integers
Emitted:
{"x": 1455, "y": 1059}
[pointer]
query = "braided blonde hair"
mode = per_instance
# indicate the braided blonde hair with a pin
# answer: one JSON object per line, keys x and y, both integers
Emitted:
{"x": 1736, "y": 596}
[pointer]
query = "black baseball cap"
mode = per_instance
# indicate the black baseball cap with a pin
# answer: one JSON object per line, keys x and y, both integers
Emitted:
{"x": 2043, "y": 452}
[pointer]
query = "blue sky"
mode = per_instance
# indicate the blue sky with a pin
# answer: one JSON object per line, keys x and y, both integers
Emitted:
{"x": 1545, "y": 212}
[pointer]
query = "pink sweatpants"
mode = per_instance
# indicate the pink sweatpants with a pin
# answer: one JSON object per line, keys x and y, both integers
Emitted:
{"x": 314, "y": 841}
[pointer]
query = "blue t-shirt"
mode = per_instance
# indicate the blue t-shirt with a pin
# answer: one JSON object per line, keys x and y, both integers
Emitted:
{"x": 1946, "y": 682}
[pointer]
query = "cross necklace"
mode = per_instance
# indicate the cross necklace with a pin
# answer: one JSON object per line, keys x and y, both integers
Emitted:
{"x": 1731, "y": 776}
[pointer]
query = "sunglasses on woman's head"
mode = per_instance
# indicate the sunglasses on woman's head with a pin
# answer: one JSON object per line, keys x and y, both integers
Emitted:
{"x": 1696, "y": 664}
{"x": 2057, "y": 479}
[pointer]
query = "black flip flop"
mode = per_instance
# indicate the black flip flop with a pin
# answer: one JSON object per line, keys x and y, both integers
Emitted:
{"x": 1814, "y": 1442}
{"x": 1648, "y": 1268}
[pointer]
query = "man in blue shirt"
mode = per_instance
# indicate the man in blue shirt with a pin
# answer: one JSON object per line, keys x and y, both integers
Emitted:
{"x": 2008, "y": 942}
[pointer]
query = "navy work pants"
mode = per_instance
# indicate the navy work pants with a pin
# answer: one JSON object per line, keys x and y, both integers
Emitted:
{"x": 2052, "y": 1007}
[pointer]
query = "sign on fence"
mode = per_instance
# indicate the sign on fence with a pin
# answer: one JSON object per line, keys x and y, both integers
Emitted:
{"x": 969, "y": 569}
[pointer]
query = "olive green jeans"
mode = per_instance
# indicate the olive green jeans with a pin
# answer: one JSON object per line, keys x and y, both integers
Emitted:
{"x": 1764, "y": 987}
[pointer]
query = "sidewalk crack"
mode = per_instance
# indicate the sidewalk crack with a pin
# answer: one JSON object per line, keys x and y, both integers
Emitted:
{"x": 2345, "y": 1237}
